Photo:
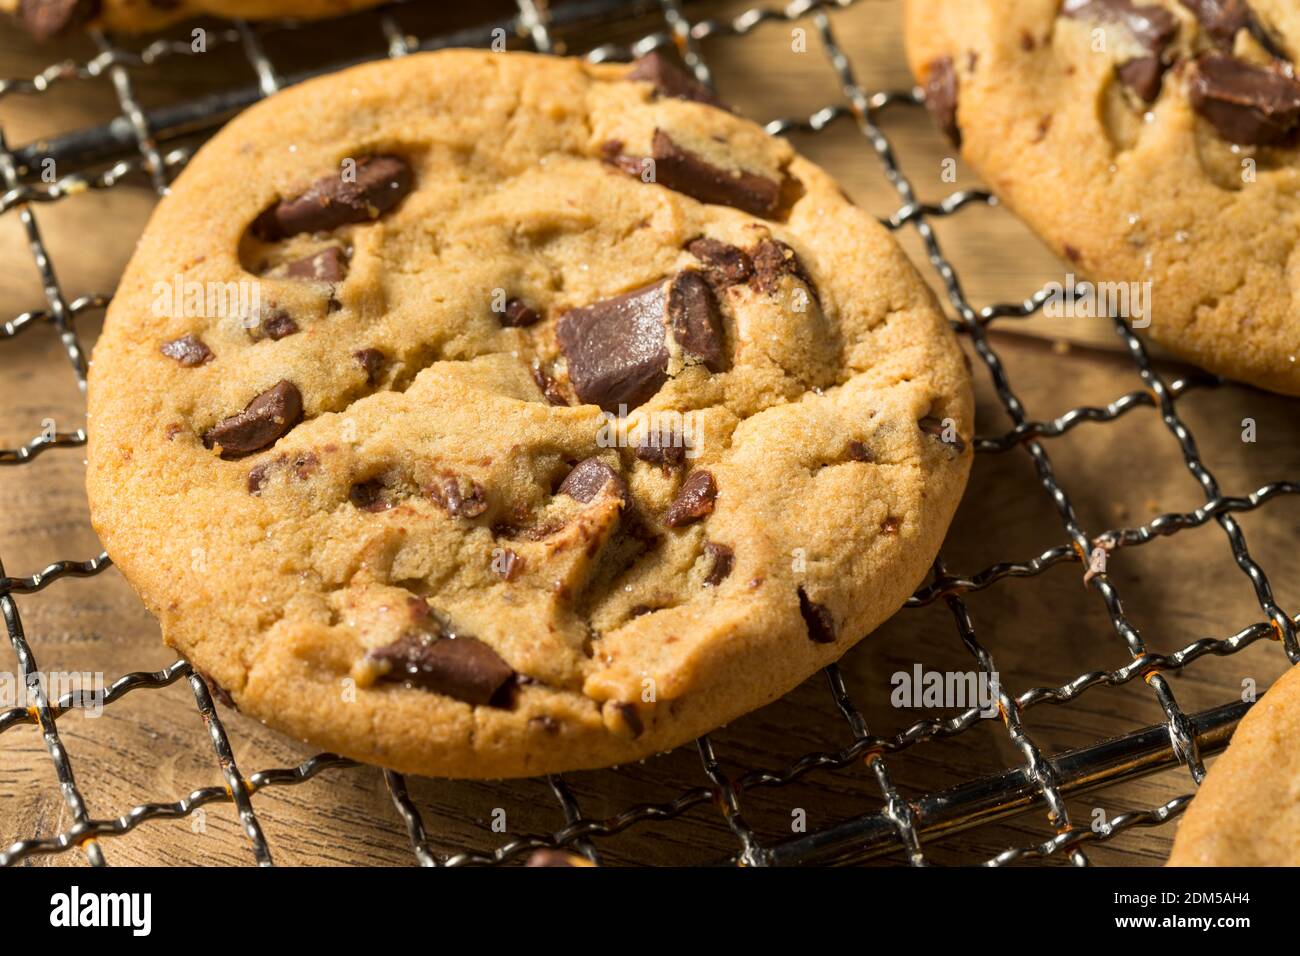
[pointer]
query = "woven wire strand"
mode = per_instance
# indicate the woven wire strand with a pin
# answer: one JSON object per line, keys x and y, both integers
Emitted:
{"x": 899, "y": 825}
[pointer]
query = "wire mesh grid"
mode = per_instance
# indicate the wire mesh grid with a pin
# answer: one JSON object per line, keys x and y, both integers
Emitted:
{"x": 904, "y": 821}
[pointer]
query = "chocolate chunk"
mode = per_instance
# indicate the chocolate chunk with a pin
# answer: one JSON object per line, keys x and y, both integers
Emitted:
{"x": 508, "y": 565}
{"x": 303, "y": 465}
{"x": 189, "y": 350}
{"x": 372, "y": 362}
{"x": 1222, "y": 20}
{"x": 616, "y": 350}
{"x": 660, "y": 449}
{"x": 723, "y": 558}
{"x": 858, "y": 451}
{"x": 1247, "y": 105}
{"x": 935, "y": 429}
{"x": 941, "y": 96}
{"x": 694, "y": 320}
{"x": 1152, "y": 26}
{"x": 279, "y": 324}
{"x": 1143, "y": 76}
{"x": 518, "y": 315}
{"x": 689, "y": 173}
{"x": 724, "y": 265}
{"x": 370, "y": 496}
{"x": 670, "y": 80}
{"x": 328, "y": 265}
{"x": 458, "y": 501}
{"x": 44, "y": 19}
{"x": 549, "y": 387}
{"x": 773, "y": 259}
{"x": 817, "y": 618}
{"x": 612, "y": 152}
{"x": 216, "y": 690}
{"x": 380, "y": 184}
{"x": 694, "y": 501}
{"x": 257, "y": 477}
{"x": 632, "y": 718}
{"x": 461, "y": 667}
{"x": 588, "y": 478}
{"x": 265, "y": 419}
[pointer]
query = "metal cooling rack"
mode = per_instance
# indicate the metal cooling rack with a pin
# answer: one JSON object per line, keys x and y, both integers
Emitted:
{"x": 903, "y": 822}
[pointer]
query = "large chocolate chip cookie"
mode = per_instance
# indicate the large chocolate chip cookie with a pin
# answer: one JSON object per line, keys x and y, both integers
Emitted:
{"x": 491, "y": 414}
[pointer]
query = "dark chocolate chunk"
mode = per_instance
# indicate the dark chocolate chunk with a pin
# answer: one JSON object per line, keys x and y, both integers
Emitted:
{"x": 941, "y": 96}
{"x": 660, "y": 449}
{"x": 549, "y": 387}
{"x": 935, "y": 429}
{"x": 44, "y": 19}
{"x": 188, "y": 350}
{"x": 858, "y": 451}
{"x": 1224, "y": 19}
{"x": 1152, "y": 26}
{"x": 588, "y": 478}
{"x": 817, "y": 618}
{"x": 671, "y": 80}
{"x": 694, "y": 320}
{"x": 458, "y": 501}
{"x": 372, "y": 362}
{"x": 694, "y": 501}
{"x": 257, "y": 477}
{"x": 370, "y": 495}
{"x": 518, "y": 315}
{"x": 461, "y": 667}
{"x": 612, "y": 152}
{"x": 723, "y": 559}
{"x": 1247, "y": 105}
{"x": 380, "y": 184}
{"x": 279, "y": 324}
{"x": 265, "y": 419}
{"x": 724, "y": 265}
{"x": 328, "y": 265}
{"x": 773, "y": 259}
{"x": 632, "y": 718}
{"x": 689, "y": 173}
{"x": 616, "y": 350}
{"x": 216, "y": 690}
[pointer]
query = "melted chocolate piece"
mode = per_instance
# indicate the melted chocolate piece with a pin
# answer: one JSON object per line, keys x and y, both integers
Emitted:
{"x": 381, "y": 182}
{"x": 671, "y": 80}
{"x": 263, "y": 421}
{"x": 188, "y": 350}
{"x": 941, "y": 86}
{"x": 372, "y": 362}
{"x": 328, "y": 265}
{"x": 1247, "y": 105}
{"x": 1153, "y": 27}
{"x": 370, "y": 496}
{"x": 461, "y": 667}
{"x": 518, "y": 315}
{"x": 694, "y": 319}
{"x": 279, "y": 324}
{"x": 694, "y": 501}
{"x": 817, "y": 618}
{"x": 1222, "y": 20}
{"x": 724, "y": 265}
{"x": 773, "y": 259}
{"x": 687, "y": 172}
{"x": 588, "y": 478}
{"x": 935, "y": 429}
{"x": 653, "y": 449}
{"x": 455, "y": 500}
{"x": 616, "y": 350}
{"x": 723, "y": 559}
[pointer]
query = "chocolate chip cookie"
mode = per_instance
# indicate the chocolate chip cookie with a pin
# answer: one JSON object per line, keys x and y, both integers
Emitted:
{"x": 485, "y": 414}
{"x": 1247, "y": 811}
{"x": 1144, "y": 140}
{"x": 45, "y": 19}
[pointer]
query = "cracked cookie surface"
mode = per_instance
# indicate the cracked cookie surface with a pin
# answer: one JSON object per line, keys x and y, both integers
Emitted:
{"x": 1143, "y": 140}
{"x": 523, "y": 461}
{"x": 1247, "y": 810}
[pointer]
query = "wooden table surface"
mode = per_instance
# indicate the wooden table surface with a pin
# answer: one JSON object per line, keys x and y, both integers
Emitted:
{"x": 1044, "y": 631}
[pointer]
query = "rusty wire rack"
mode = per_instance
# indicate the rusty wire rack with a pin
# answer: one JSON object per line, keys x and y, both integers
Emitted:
{"x": 130, "y": 145}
